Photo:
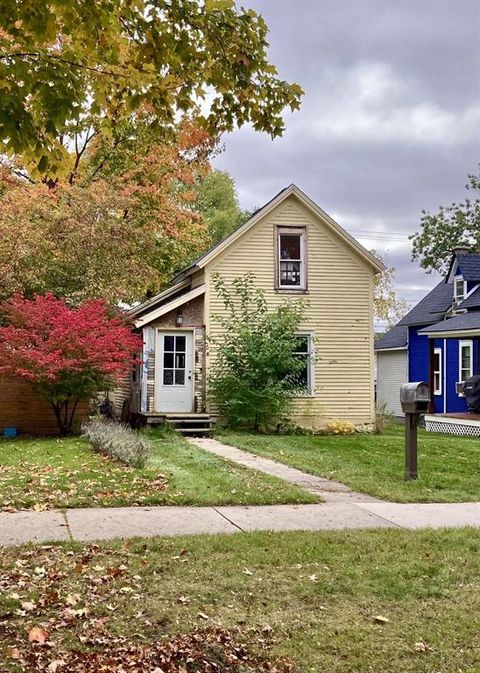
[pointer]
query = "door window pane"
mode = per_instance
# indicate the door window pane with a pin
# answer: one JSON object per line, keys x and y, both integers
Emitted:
{"x": 174, "y": 360}
{"x": 168, "y": 377}
{"x": 168, "y": 343}
{"x": 168, "y": 360}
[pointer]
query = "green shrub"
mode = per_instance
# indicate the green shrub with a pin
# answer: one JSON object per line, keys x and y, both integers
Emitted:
{"x": 255, "y": 373}
{"x": 117, "y": 441}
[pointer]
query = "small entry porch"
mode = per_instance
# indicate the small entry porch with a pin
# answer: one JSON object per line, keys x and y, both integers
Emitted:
{"x": 188, "y": 424}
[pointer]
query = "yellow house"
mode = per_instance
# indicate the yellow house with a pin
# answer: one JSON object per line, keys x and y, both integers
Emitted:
{"x": 293, "y": 248}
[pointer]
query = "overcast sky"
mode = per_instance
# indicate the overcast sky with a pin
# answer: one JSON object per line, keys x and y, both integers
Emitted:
{"x": 389, "y": 122}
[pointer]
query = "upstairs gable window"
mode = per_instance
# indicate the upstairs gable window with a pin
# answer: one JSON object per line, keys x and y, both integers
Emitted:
{"x": 291, "y": 258}
{"x": 459, "y": 289}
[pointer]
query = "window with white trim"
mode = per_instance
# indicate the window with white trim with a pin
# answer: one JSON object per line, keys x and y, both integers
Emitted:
{"x": 291, "y": 269}
{"x": 459, "y": 289}
{"x": 437, "y": 371}
{"x": 465, "y": 360}
{"x": 304, "y": 351}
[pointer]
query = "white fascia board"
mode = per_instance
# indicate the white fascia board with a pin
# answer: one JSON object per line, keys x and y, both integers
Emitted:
{"x": 454, "y": 335}
{"x": 158, "y": 297}
{"x": 169, "y": 306}
{"x": 388, "y": 350}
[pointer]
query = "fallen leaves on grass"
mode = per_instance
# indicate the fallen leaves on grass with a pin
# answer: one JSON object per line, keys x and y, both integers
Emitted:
{"x": 102, "y": 483}
{"x": 209, "y": 651}
{"x": 66, "y": 611}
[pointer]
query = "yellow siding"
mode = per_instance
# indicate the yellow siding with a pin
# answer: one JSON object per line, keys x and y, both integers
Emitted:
{"x": 340, "y": 294}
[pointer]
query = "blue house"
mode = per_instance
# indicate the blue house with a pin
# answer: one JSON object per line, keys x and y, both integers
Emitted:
{"x": 440, "y": 338}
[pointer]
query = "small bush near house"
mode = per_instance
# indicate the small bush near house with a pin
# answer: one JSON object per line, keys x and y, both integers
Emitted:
{"x": 257, "y": 369}
{"x": 117, "y": 441}
{"x": 384, "y": 419}
{"x": 339, "y": 427}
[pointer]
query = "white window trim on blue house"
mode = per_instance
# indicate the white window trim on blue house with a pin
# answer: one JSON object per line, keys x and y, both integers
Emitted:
{"x": 461, "y": 345}
{"x": 459, "y": 295}
{"x": 438, "y": 373}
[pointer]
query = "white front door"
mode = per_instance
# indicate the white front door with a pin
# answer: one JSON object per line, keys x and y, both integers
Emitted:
{"x": 173, "y": 371}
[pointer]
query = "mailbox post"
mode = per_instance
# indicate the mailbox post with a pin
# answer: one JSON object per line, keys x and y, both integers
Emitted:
{"x": 414, "y": 398}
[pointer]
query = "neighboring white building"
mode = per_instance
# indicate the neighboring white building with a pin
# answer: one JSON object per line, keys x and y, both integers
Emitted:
{"x": 392, "y": 368}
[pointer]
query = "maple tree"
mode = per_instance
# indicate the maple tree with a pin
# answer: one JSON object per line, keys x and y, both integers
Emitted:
{"x": 66, "y": 66}
{"x": 118, "y": 228}
{"x": 66, "y": 354}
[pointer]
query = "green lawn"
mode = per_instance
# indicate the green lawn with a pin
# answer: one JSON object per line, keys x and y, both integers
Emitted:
{"x": 449, "y": 467}
{"x": 59, "y": 473}
{"x": 350, "y": 602}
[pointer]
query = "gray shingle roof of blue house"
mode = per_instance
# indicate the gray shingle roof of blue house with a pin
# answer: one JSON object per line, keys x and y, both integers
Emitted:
{"x": 469, "y": 266}
{"x": 459, "y": 323}
{"x": 395, "y": 338}
{"x": 432, "y": 307}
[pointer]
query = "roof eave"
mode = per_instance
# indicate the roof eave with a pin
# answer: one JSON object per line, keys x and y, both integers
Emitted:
{"x": 394, "y": 348}
{"x": 292, "y": 189}
{"x": 453, "y": 334}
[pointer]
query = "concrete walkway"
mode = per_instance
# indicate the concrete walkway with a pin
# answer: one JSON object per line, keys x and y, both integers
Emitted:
{"x": 330, "y": 491}
{"x": 342, "y": 509}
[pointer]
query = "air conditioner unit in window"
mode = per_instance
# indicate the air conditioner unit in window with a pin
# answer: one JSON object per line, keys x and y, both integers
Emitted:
{"x": 459, "y": 388}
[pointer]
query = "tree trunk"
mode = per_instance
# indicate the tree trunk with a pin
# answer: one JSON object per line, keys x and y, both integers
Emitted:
{"x": 65, "y": 415}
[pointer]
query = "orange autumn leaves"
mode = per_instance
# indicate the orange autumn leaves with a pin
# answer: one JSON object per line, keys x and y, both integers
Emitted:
{"x": 118, "y": 231}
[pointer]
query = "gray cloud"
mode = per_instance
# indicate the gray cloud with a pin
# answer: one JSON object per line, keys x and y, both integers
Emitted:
{"x": 389, "y": 123}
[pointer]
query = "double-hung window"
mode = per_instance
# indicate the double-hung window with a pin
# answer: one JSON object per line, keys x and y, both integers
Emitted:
{"x": 291, "y": 271}
{"x": 465, "y": 360}
{"x": 304, "y": 352}
{"x": 459, "y": 289}
{"x": 437, "y": 371}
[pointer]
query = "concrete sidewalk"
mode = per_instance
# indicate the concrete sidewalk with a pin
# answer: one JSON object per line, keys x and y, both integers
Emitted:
{"x": 126, "y": 522}
{"x": 342, "y": 509}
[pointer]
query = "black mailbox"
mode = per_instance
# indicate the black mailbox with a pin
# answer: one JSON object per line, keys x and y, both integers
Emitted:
{"x": 415, "y": 397}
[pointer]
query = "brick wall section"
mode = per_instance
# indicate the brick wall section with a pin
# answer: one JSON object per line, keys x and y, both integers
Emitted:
{"x": 21, "y": 408}
{"x": 192, "y": 318}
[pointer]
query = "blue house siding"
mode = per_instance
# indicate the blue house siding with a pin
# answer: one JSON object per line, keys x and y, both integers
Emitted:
{"x": 419, "y": 354}
{"x": 419, "y": 364}
{"x": 434, "y": 314}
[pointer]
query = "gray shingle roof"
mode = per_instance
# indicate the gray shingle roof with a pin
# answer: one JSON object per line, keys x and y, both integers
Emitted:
{"x": 459, "y": 323}
{"x": 432, "y": 307}
{"x": 469, "y": 266}
{"x": 394, "y": 338}
{"x": 473, "y": 301}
